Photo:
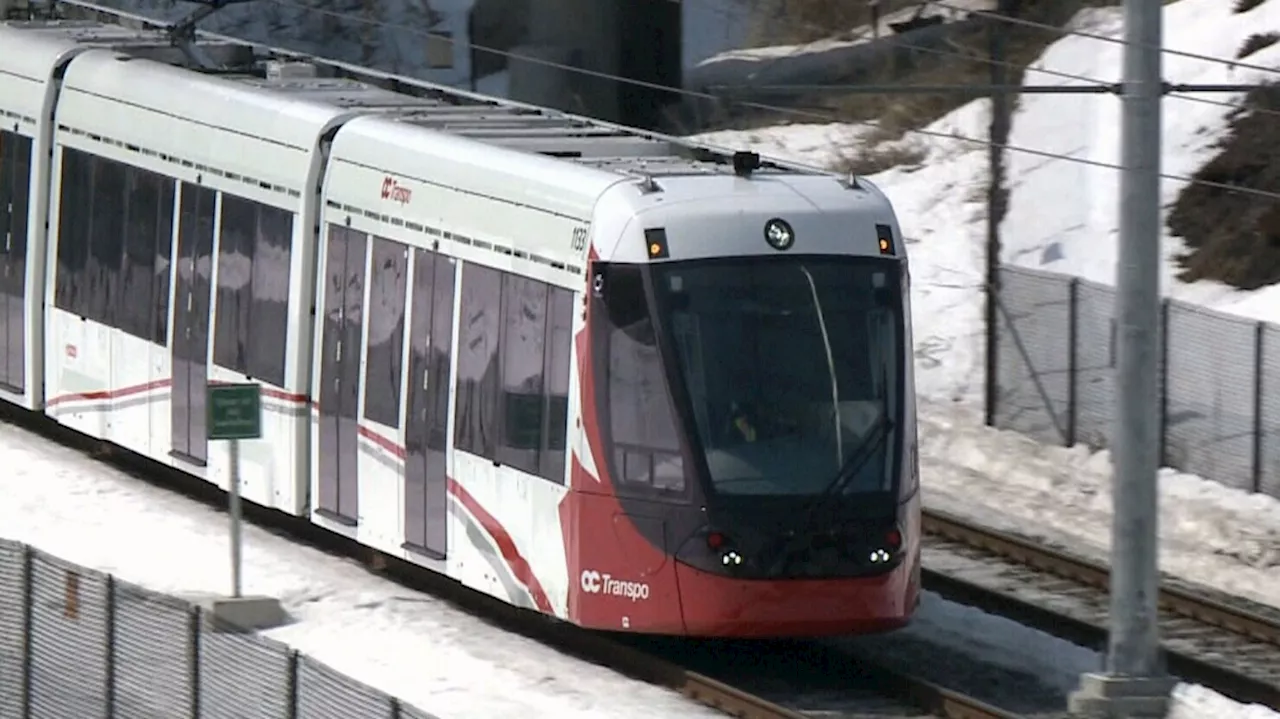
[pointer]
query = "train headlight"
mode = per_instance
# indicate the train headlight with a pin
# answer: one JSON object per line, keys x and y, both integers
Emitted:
{"x": 779, "y": 234}
{"x": 891, "y": 543}
{"x": 731, "y": 558}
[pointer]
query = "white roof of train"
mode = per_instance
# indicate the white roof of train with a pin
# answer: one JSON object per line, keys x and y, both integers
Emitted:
{"x": 34, "y": 48}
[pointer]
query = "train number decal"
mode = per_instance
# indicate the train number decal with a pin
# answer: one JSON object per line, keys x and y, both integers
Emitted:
{"x": 578, "y": 242}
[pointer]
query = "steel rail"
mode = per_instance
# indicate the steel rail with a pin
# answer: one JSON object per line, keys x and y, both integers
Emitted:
{"x": 1221, "y": 643}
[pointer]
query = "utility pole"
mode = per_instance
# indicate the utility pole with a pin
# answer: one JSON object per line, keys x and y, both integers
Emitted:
{"x": 1134, "y": 683}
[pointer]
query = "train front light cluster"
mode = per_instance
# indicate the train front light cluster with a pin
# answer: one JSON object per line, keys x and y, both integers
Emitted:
{"x": 891, "y": 543}
{"x": 729, "y": 557}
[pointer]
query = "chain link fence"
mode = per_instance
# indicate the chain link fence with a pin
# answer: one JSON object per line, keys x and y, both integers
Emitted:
{"x": 79, "y": 643}
{"x": 1219, "y": 377}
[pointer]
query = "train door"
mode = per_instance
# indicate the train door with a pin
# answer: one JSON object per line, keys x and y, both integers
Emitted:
{"x": 340, "y": 373}
{"x": 190, "y": 350}
{"x": 427, "y": 422}
{"x": 15, "y": 186}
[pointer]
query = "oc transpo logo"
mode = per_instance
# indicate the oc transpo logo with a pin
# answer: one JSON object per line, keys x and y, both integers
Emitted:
{"x": 394, "y": 191}
{"x": 594, "y": 582}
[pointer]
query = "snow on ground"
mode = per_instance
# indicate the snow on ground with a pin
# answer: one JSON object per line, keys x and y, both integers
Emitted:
{"x": 402, "y": 642}
{"x": 444, "y": 660}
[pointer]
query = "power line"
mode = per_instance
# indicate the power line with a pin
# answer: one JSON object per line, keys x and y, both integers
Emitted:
{"x": 1103, "y": 38}
{"x": 1175, "y": 94}
{"x": 799, "y": 112}
{"x": 796, "y": 112}
{"x": 896, "y": 41}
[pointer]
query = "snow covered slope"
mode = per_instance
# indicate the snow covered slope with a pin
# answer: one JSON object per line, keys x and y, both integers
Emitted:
{"x": 1063, "y": 216}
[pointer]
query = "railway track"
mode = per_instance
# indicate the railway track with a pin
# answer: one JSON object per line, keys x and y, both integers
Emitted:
{"x": 1226, "y": 643}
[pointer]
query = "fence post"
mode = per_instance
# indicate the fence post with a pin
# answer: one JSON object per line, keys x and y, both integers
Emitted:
{"x": 1165, "y": 306}
{"x": 1259, "y": 353}
{"x": 110, "y": 678}
{"x": 193, "y": 659}
{"x": 1073, "y": 363}
{"x": 292, "y": 686}
{"x": 28, "y": 625}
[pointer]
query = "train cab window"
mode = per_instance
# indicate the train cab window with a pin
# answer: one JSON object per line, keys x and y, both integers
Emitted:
{"x": 251, "y": 319}
{"x": 480, "y": 318}
{"x": 143, "y": 307}
{"x": 523, "y": 358}
{"x": 640, "y": 419}
{"x": 385, "y": 354}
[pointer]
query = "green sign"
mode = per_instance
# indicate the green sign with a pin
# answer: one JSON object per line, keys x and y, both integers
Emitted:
{"x": 235, "y": 411}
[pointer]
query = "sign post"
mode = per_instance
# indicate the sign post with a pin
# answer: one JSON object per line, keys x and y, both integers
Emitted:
{"x": 235, "y": 413}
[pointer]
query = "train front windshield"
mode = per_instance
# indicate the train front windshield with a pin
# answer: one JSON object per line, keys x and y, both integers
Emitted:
{"x": 773, "y": 376}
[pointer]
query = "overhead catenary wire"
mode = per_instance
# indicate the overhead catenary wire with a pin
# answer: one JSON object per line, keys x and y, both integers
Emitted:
{"x": 800, "y": 49}
{"x": 826, "y": 117}
{"x": 1110, "y": 87}
{"x": 786, "y": 111}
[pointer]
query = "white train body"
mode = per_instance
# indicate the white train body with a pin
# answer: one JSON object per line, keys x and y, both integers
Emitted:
{"x": 364, "y": 256}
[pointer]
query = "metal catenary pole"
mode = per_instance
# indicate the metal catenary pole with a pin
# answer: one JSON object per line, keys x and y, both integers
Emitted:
{"x": 1134, "y": 684}
{"x": 1134, "y": 648}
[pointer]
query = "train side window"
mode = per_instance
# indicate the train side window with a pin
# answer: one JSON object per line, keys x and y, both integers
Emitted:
{"x": 269, "y": 323}
{"x": 480, "y": 315}
{"x": 75, "y": 216}
{"x": 524, "y": 311}
{"x": 148, "y": 233}
{"x": 251, "y": 320}
{"x": 18, "y": 150}
{"x": 160, "y": 267}
{"x": 106, "y": 245}
{"x": 555, "y": 376}
{"x": 8, "y": 182}
{"x": 235, "y": 288}
{"x": 385, "y": 353}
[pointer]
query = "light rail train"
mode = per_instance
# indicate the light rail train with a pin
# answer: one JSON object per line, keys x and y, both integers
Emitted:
{"x": 628, "y": 382}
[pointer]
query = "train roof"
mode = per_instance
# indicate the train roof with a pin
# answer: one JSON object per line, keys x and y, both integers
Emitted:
{"x": 316, "y": 82}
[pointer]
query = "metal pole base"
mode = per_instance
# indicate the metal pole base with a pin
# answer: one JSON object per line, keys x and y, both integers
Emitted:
{"x": 1105, "y": 696}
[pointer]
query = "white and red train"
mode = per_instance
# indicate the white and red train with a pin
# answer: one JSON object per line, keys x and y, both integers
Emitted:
{"x": 603, "y": 374}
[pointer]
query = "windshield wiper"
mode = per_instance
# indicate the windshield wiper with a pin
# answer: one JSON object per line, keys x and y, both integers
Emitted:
{"x": 847, "y": 471}
{"x": 857, "y": 460}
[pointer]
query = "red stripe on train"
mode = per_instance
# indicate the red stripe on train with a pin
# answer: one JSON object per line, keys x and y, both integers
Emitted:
{"x": 105, "y": 395}
{"x": 520, "y": 566}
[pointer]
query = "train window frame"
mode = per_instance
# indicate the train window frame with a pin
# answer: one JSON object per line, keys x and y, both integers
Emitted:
{"x": 106, "y": 240}
{"x": 251, "y": 338}
{"x": 477, "y": 383}
{"x": 388, "y": 274}
{"x": 143, "y": 291}
{"x": 482, "y": 417}
{"x": 603, "y": 332}
{"x": 75, "y": 214}
{"x": 556, "y": 379}
{"x": 15, "y": 161}
{"x": 522, "y": 409}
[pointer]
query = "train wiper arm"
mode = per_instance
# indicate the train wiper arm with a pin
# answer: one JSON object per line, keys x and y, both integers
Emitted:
{"x": 858, "y": 458}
